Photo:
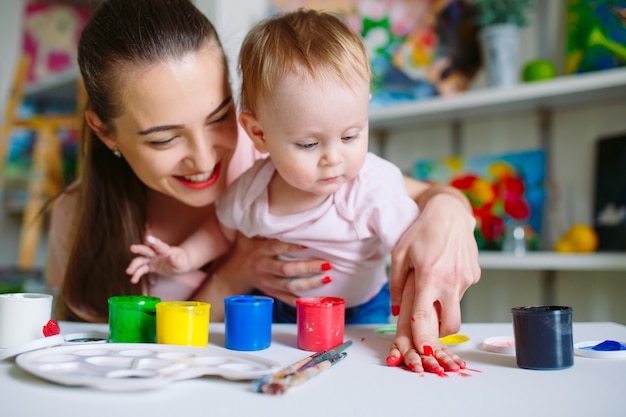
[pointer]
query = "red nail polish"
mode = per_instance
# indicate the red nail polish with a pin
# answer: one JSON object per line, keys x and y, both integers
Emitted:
{"x": 395, "y": 310}
{"x": 428, "y": 350}
{"x": 326, "y": 267}
{"x": 326, "y": 280}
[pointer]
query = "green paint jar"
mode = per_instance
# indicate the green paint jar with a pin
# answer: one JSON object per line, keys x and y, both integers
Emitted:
{"x": 132, "y": 319}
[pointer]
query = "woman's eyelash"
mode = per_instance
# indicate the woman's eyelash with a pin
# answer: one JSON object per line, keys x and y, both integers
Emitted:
{"x": 223, "y": 117}
{"x": 162, "y": 142}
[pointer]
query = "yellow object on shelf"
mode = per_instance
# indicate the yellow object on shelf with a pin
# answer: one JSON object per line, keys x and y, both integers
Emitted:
{"x": 580, "y": 238}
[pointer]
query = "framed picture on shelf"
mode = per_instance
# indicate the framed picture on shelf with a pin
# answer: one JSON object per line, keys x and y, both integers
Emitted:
{"x": 505, "y": 191}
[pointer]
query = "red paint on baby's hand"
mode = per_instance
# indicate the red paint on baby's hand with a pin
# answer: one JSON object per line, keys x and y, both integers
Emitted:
{"x": 394, "y": 360}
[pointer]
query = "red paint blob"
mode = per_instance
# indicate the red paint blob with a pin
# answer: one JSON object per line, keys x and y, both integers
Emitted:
{"x": 394, "y": 360}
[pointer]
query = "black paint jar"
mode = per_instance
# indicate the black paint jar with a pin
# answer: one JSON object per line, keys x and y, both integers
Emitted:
{"x": 543, "y": 337}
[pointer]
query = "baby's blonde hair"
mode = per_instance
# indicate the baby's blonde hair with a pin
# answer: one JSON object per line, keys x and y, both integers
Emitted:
{"x": 304, "y": 42}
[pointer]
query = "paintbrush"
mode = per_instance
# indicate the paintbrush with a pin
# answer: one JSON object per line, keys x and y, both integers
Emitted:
{"x": 279, "y": 386}
{"x": 302, "y": 364}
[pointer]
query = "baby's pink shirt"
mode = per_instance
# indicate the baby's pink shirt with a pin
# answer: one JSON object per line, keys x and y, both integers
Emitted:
{"x": 353, "y": 229}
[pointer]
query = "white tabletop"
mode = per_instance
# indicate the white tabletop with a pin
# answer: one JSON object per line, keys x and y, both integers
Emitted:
{"x": 360, "y": 385}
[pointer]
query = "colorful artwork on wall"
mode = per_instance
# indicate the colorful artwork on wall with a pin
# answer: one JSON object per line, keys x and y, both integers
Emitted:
{"x": 50, "y": 39}
{"x": 417, "y": 48}
{"x": 503, "y": 189}
{"x": 596, "y": 35}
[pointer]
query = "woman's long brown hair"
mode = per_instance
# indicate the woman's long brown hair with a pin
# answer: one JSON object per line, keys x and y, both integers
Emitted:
{"x": 122, "y": 36}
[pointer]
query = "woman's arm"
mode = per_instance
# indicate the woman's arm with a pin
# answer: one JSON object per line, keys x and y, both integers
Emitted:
{"x": 439, "y": 253}
{"x": 252, "y": 264}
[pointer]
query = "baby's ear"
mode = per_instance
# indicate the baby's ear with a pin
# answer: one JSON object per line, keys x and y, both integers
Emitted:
{"x": 253, "y": 128}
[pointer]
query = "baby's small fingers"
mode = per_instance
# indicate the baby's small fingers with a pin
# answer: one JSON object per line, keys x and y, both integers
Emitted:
{"x": 395, "y": 357}
{"x": 135, "y": 264}
{"x": 449, "y": 360}
{"x": 143, "y": 250}
{"x": 158, "y": 245}
{"x": 431, "y": 364}
{"x": 413, "y": 361}
{"x": 138, "y": 273}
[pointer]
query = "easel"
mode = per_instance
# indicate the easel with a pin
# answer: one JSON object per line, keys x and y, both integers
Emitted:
{"x": 45, "y": 178}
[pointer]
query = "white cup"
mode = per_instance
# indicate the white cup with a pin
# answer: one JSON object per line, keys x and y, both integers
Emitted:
{"x": 22, "y": 317}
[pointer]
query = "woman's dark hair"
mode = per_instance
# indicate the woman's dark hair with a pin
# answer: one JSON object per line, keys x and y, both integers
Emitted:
{"x": 121, "y": 37}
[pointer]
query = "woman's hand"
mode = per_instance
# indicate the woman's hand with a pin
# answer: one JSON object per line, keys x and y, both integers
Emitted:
{"x": 430, "y": 355}
{"x": 439, "y": 253}
{"x": 253, "y": 263}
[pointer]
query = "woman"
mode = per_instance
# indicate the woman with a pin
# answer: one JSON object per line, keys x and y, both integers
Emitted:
{"x": 161, "y": 148}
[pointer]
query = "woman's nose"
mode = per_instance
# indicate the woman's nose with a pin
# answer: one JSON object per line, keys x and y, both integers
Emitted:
{"x": 201, "y": 154}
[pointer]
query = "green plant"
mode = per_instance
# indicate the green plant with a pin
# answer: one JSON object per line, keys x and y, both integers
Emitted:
{"x": 493, "y": 12}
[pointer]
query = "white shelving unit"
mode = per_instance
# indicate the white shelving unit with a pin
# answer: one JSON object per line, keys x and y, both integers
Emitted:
{"x": 550, "y": 261}
{"x": 560, "y": 92}
{"x": 542, "y": 97}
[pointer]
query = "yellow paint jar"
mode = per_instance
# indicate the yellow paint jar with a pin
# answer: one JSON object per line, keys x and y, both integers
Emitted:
{"x": 183, "y": 323}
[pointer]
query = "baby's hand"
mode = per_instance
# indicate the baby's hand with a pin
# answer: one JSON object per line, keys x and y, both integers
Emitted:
{"x": 156, "y": 256}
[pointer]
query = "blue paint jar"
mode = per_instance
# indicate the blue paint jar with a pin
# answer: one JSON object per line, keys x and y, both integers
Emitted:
{"x": 248, "y": 322}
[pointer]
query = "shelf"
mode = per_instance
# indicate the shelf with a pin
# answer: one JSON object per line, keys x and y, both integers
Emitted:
{"x": 60, "y": 87}
{"x": 560, "y": 92}
{"x": 551, "y": 261}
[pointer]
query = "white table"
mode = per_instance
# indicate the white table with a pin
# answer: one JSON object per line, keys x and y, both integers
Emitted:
{"x": 360, "y": 385}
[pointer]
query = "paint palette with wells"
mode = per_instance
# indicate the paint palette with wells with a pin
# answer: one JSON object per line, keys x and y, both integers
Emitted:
{"x": 139, "y": 366}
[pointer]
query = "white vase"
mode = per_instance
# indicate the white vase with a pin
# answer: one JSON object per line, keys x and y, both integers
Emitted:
{"x": 501, "y": 54}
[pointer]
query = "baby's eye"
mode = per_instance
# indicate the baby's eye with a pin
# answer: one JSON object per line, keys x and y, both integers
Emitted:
{"x": 311, "y": 145}
{"x": 349, "y": 138}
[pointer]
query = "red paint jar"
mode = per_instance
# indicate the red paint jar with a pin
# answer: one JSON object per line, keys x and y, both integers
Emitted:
{"x": 320, "y": 322}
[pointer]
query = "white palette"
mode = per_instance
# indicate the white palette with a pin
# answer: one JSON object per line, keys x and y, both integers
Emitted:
{"x": 139, "y": 366}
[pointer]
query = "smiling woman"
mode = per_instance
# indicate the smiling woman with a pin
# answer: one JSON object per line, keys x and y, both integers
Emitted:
{"x": 155, "y": 159}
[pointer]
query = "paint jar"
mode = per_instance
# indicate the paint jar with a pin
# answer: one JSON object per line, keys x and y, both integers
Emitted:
{"x": 248, "y": 322}
{"x": 183, "y": 323}
{"x": 22, "y": 317}
{"x": 132, "y": 318}
{"x": 320, "y": 322}
{"x": 543, "y": 337}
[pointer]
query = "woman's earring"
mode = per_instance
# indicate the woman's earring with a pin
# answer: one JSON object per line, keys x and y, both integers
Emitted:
{"x": 117, "y": 153}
